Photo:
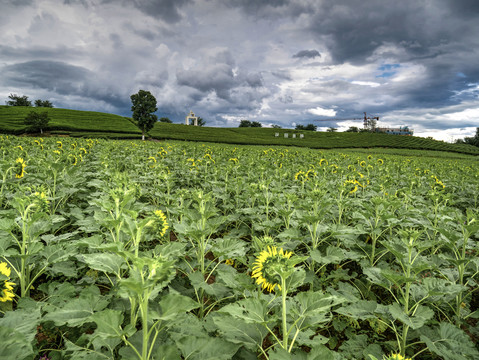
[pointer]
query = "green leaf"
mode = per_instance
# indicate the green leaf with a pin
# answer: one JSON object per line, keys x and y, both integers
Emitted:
{"x": 108, "y": 324}
{"x": 235, "y": 330}
{"x": 206, "y": 348}
{"x": 14, "y": 345}
{"x": 77, "y": 311}
{"x": 171, "y": 305}
{"x": 449, "y": 342}
{"x": 18, "y": 329}
{"x": 362, "y": 309}
{"x": 420, "y": 317}
{"x": 107, "y": 262}
{"x": 250, "y": 310}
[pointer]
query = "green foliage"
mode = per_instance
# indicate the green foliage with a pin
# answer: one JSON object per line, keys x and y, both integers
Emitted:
{"x": 309, "y": 127}
{"x": 165, "y": 120}
{"x": 143, "y": 107}
{"x": 43, "y": 103}
{"x": 37, "y": 121}
{"x": 74, "y": 122}
{"x": 247, "y": 123}
{"x": 16, "y": 100}
{"x": 354, "y": 129}
{"x": 390, "y": 268}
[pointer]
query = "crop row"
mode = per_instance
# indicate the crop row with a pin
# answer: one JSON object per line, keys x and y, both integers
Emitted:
{"x": 154, "y": 250}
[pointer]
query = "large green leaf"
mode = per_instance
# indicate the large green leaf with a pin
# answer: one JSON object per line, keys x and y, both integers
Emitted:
{"x": 449, "y": 342}
{"x": 416, "y": 321}
{"x": 170, "y": 305}
{"x": 235, "y": 330}
{"x": 17, "y": 331}
{"x": 107, "y": 262}
{"x": 77, "y": 311}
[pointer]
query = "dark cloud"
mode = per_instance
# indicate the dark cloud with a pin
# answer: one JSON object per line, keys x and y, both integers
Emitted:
{"x": 39, "y": 52}
{"x": 310, "y": 54}
{"x": 218, "y": 78}
{"x": 17, "y": 3}
{"x": 60, "y": 78}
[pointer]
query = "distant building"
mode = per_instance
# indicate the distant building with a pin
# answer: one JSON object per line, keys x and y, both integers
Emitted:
{"x": 402, "y": 130}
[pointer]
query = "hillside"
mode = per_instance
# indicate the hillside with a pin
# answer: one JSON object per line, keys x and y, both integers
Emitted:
{"x": 315, "y": 140}
{"x": 70, "y": 122}
{"x": 95, "y": 124}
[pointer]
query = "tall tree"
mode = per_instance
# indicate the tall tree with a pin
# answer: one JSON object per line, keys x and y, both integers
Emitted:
{"x": 245, "y": 123}
{"x": 16, "y": 100}
{"x": 143, "y": 107}
{"x": 43, "y": 103}
{"x": 37, "y": 121}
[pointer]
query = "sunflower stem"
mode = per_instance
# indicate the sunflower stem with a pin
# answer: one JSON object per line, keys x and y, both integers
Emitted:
{"x": 285, "y": 326}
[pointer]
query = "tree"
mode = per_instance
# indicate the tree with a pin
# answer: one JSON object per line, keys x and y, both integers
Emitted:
{"x": 43, "y": 103}
{"x": 331, "y": 129}
{"x": 143, "y": 107}
{"x": 245, "y": 123}
{"x": 470, "y": 140}
{"x": 256, "y": 124}
{"x": 354, "y": 129}
{"x": 16, "y": 100}
{"x": 276, "y": 126}
{"x": 165, "y": 120}
{"x": 37, "y": 121}
{"x": 310, "y": 127}
{"x": 201, "y": 122}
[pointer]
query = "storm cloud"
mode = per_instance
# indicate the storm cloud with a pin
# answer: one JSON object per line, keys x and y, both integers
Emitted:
{"x": 278, "y": 62}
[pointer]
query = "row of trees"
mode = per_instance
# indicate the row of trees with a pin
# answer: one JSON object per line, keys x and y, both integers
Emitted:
{"x": 470, "y": 140}
{"x": 16, "y": 100}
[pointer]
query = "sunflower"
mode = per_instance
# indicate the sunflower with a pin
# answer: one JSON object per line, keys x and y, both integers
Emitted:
{"x": 73, "y": 159}
{"x": 20, "y": 168}
{"x": 301, "y": 176}
{"x": 397, "y": 357}
{"x": 6, "y": 293}
{"x": 351, "y": 185}
{"x": 160, "y": 222}
{"x": 268, "y": 267}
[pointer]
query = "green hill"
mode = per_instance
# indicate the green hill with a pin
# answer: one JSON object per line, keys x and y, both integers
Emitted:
{"x": 69, "y": 122}
{"x": 95, "y": 124}
{"x": 311, "y": 139}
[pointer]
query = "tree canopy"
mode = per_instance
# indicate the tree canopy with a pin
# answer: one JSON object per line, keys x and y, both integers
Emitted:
{"x": 165, "y": 120}
{"x": 310, "y": 127}
{"x": 37, "y": 121}
{"x": 143, "y": 107}
{"x": 16, "y": 100}
{"x": 247, "y": 123}
{"x": 43, "y": 103}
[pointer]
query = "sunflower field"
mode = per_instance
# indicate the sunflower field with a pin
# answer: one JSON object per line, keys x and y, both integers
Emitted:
{"x": 177, "y": 250}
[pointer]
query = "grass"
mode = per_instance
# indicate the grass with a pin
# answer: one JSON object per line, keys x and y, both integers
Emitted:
{"x": 68, "y": 121}
{"x": 96, "y": 124}
{"x": 314, "y": 140}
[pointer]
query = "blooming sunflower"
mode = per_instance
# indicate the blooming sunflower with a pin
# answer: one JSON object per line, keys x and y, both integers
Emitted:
{"x": 266, "y": 266}
{"x": 160, "y": 222}
{"x": 351, "y": 185}
{"x": 20, "y": 168}
{"x": 6, "y": 293}
{"x": 394, "y": 356}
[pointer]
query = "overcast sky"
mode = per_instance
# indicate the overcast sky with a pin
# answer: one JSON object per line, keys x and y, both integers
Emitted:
{"x": 284, "y": 62}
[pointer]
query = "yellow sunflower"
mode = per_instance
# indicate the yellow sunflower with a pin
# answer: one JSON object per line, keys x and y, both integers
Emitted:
{"x": 6, "y": 293}
{"x": 265, "y": 268}
{"x": 397, "y": 357}
{"x": 20, "y": 168}
{"x": 161, "y": 222}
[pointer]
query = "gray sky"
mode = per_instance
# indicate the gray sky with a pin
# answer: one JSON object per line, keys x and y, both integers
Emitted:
{"x": 284, "y": 62}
